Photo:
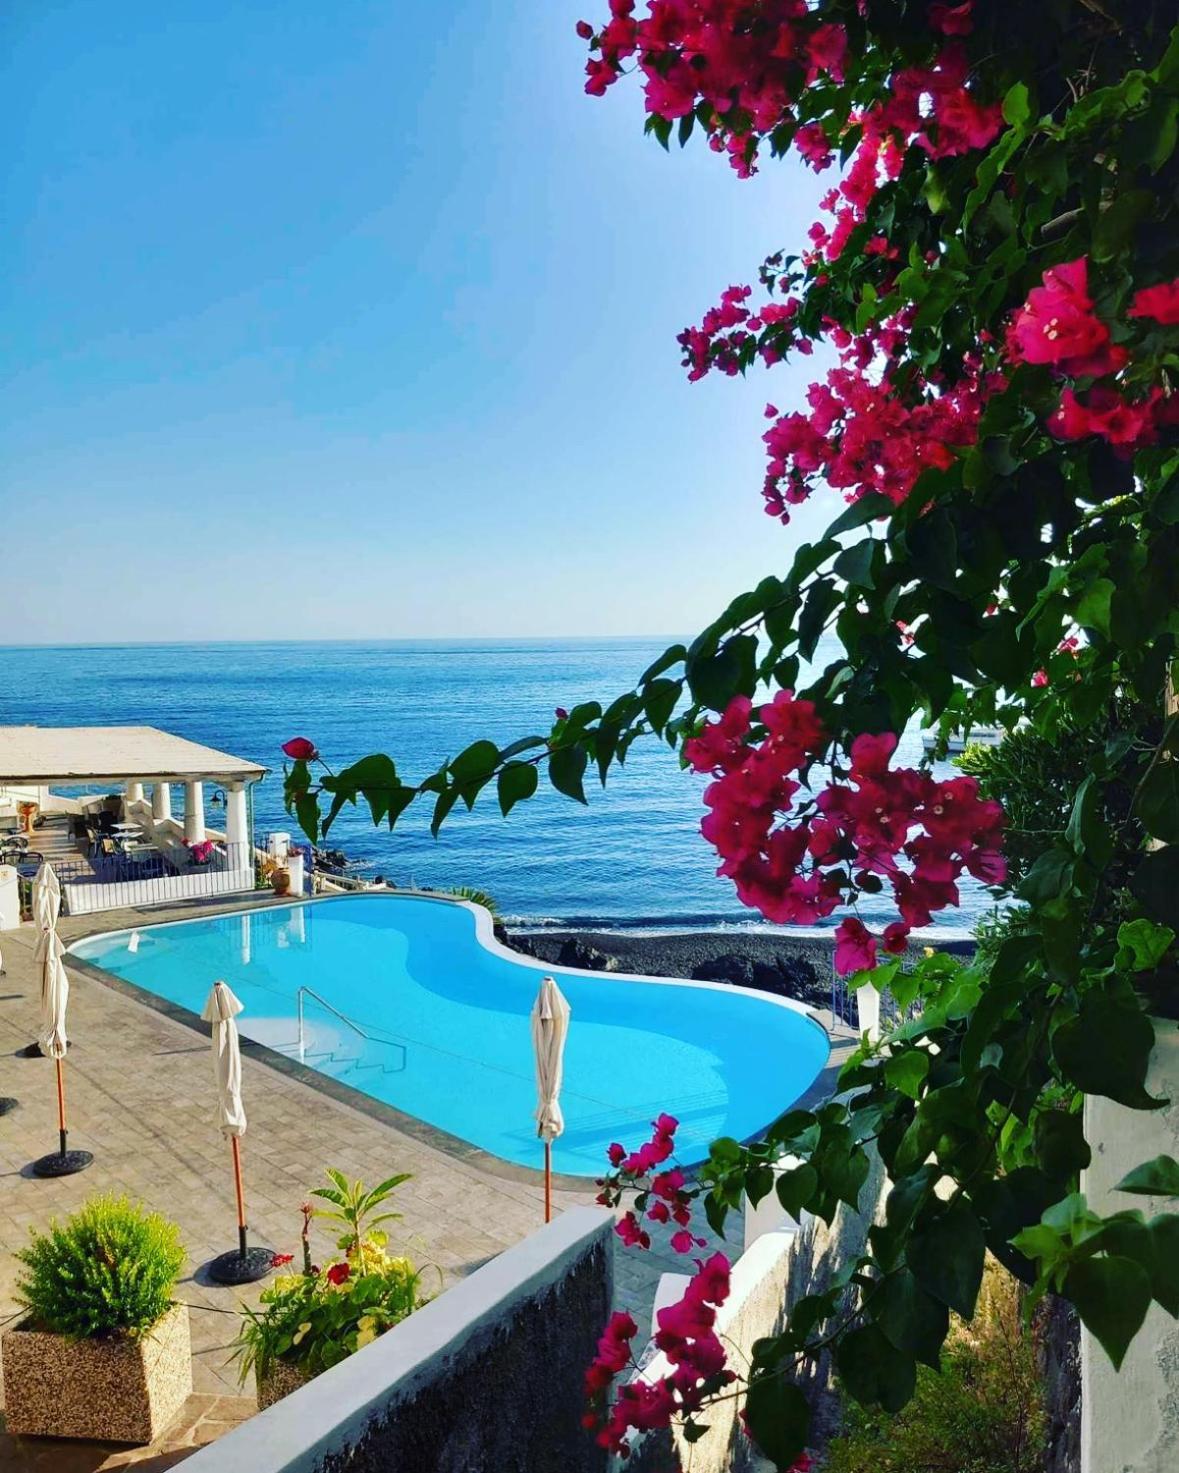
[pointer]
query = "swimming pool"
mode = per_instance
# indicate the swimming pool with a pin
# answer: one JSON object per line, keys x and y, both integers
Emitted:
{"x": 435, "y": 1024}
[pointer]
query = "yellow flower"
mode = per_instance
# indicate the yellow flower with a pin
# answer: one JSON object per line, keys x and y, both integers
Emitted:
{"x": 928, "y": 950}
{"x": 366, "y": 1335}
{"x": 303, "y": 1330}
{"x": 283, "y": 1283}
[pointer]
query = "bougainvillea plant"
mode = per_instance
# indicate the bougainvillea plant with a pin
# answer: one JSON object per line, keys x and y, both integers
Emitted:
{"x": 997, "y": 273}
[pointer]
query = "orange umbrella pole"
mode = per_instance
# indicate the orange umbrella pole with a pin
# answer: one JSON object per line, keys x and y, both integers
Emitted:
{"x": 548, "y": 1181}
{"x": 61, "y": 1106}
{"x": 241, "y": 1196}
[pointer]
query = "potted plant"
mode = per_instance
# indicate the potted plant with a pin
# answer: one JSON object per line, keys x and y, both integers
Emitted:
{"x": 280, "y": 878}
{"x": 104, "y": 1350}
{"x": 307, "y": 1322}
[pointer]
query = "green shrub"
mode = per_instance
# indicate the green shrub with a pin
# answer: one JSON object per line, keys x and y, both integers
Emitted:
{"x": 109, "y": 1269}
{"x": 982, "y": 1413}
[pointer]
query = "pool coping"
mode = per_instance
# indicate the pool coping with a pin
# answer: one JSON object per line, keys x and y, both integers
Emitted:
{"x": 379, "y": 1110}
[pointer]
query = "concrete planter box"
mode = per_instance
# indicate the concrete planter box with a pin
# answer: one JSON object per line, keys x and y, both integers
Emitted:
{"x": 279, "y": 1381}
{"x": 112, "y": 1390}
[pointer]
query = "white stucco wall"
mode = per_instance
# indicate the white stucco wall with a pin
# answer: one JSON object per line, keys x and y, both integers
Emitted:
{"x": 1130, "y": 1418}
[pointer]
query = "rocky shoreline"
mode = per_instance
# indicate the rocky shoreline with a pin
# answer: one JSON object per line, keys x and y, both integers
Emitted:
{"x": 790, "y": 966}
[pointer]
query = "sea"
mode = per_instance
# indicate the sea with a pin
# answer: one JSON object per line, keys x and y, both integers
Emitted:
{"x": 633, "y": 858}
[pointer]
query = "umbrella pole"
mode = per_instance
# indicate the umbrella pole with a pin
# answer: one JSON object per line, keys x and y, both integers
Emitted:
{"x": 61, "y": 1111}
{"x": 548, "y": 1181}
{"x": 241, "y": 1196}
{"x": 243, "y": 1264}
{"x": 63, "y": 1161}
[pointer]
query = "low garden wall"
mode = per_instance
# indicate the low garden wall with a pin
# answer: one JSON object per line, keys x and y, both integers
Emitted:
{"x": 488, "y": 1376}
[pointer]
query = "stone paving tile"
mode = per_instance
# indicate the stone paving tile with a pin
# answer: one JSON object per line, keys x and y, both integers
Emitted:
{"x": 140, "y": 1097}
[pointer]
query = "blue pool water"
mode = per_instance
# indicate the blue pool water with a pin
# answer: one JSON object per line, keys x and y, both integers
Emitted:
{"x": 448, "y": 1022}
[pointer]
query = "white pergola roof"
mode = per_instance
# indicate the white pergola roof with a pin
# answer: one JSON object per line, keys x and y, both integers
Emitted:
{"x": 85, "y": 754}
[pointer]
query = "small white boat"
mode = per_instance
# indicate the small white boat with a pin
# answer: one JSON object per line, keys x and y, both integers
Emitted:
{"x": 980, "y": 736}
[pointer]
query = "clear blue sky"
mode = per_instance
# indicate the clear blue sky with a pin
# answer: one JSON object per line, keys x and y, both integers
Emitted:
{"x": 358, "y": 319}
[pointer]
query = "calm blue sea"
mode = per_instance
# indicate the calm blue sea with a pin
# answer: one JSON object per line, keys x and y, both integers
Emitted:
{"x": 634, "y": 857}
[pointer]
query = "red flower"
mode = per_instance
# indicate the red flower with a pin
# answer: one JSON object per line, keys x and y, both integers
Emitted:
{"x": 855, "y": 947}
{"x": 1158, "y": 302}
{"x": 1057, "y": 325}
{"x": 895, "y": 939}
{"x": 280, "y": 1260}
{"x": 339, "y": 1273}
{"x": 952, "y": 20}
{"x": 300, "y": 749}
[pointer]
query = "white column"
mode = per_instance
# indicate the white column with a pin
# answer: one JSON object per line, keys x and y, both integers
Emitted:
{"x": 161, "y": 801}
{"x": 194, "y": 812}
{"x": 132, "y": 793}
{"x": 236, "y": 820}
{"x": 868, "y": 1007}
{"x": 1128, "y": 1416}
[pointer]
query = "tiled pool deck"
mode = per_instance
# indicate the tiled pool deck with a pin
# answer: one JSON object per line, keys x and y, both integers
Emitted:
{"x": 140, "y": 1097}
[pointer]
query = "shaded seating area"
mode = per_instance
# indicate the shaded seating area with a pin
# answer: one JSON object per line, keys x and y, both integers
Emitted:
{"x": 125, "y": 846}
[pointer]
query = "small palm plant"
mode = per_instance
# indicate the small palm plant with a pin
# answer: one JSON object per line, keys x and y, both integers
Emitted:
{"x": 354, "y": 1207}
{"x": 475, "y": 896}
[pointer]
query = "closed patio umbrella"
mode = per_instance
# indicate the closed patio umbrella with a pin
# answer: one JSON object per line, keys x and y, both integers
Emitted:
{"x": 243, "y": 1265}
{"x": 55, "y": 996}
{"x": 46, "y": 904}
{"x": 550, "y": 1027}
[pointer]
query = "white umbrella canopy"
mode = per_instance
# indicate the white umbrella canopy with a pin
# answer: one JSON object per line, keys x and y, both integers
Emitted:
{"x": 55, "y": 993}
{"x": 221, "y": 1008}
{"x": 46, "y": 897}
{"x": 550, "y": 1028}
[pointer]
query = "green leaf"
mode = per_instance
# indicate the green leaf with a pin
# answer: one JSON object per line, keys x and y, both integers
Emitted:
{"x": 1144, "y": 943}
{"x": 906, "y": 1072}
{"x": 1060, "y": 1145}
{"x": 946, "y": 1257}
{"x": 674, "y": 655}
{"x": 854, "y": 564}
{"x": 474, "y": 762}
{"x": 778, "y": 1417}
{"x": 874, "y": 1371}
{"x": 307, "y": 812}
{"x": 1093, "y": 605}
{"x": 715, "y": 679}
{"x": 567, "y": 769}
{"x": 1158, "y": 1177}
{"x": 1111, "y": 1295}
{"x": 1105, "y": 1049}
{"x": 821, "y": 602}
{"x": 1016, "y": 106}
{"x": 1156, "y": 883}
{"x": 1157, "y": 804}
{"x": 659, "y": 701}
{"x": 910, "y": 1319}
{"x": 517, "y": 781}
{"x": 865, "y": 509}
{"x": 796, "y": 1187}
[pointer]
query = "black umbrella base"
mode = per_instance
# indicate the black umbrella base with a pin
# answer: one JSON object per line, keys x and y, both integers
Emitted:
{"x": 62, "y": 1163}
{"x": 236, "y": 1267}
{"x": 8, "y": 1105}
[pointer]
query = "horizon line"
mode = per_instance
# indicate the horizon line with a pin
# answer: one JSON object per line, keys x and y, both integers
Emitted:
{"x": 98, "y": 644}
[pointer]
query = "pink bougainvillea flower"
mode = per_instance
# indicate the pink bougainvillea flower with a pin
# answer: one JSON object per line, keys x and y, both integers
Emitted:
{"x": 855, "y": 947}
{"x": 632, "y": 1235}
{"x": 1161, "y": 303}
{"x": 616, "y": 1153}
{"x": 339, "y": 1273}
{"x": 1108, "y": 414}
{"x": 1040, "y": 678}
{"x": 952, "y": 20}
{"x": 682, "y": 1242}
{"x": 300, "y": 749}
{"x": 895, "y": 939}
{"x": 1057, "y": 325}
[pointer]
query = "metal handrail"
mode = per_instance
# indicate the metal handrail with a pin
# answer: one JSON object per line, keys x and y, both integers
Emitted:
{"x": 344, "y": 1018}
{"x": 323, "y": 1002}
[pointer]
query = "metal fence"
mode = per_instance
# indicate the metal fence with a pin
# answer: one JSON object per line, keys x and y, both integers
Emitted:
{"x": 107, "y": 881}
